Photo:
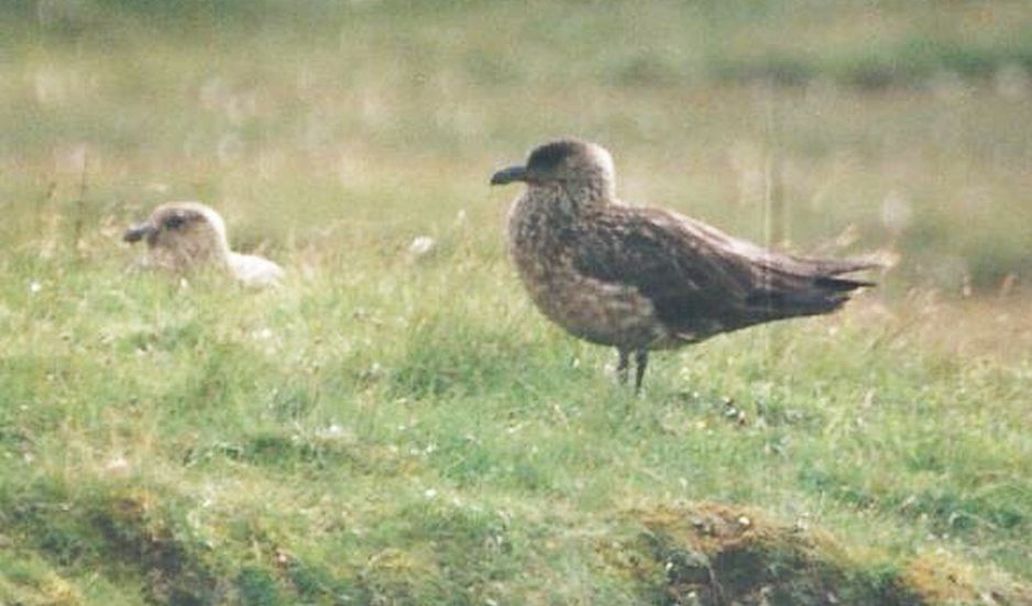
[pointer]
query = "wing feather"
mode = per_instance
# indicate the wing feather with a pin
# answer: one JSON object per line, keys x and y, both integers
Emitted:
{"x": 701, "y": 280}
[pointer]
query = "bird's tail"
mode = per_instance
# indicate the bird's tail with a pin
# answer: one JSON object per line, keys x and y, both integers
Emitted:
{"x": 829, "y": 268}
{"x": 836, "y": 284}
{"x": 812, "y": 286}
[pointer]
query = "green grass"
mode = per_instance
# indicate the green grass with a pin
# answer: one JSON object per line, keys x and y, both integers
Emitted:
{"x": 389, "y": 429}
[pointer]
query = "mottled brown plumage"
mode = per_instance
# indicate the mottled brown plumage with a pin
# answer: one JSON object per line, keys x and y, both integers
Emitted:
{"x": 640, "y": 279}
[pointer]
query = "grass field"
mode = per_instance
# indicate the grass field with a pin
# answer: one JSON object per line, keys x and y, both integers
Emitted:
{"x": 392, "y": 428}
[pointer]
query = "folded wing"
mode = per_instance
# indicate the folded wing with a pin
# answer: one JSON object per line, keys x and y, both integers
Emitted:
{"x": 703, "y": 281}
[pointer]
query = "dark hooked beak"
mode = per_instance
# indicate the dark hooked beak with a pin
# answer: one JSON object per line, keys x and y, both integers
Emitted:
{"x": 508, "y": 175}
{"x": 138, "y": 232}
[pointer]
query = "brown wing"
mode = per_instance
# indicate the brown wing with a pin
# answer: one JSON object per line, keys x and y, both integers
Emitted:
{"x": 702, "y": 281}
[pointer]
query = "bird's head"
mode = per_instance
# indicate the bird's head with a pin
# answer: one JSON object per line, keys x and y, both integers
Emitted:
{"x": 570, "y": 163}
{"x": 183, "y": 233}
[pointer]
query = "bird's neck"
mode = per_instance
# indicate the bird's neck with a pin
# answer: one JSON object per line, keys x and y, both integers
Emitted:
{"x": 204, "y": 247}
{"x": 216, "y": 244}
{"x": 565, "y": 200}
{"x": 593, "y": 193}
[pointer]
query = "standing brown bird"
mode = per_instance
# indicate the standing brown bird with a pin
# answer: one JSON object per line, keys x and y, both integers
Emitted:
{"x": 640, "y": 279}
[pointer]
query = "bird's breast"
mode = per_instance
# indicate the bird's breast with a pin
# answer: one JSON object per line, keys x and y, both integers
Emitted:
{"x": 542, "y": 247}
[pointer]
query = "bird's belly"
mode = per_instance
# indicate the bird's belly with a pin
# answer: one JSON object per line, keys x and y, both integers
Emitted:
{"x": 602, "y": 313}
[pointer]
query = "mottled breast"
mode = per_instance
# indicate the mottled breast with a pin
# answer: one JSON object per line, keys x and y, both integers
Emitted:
{"x": 542, "y": 240}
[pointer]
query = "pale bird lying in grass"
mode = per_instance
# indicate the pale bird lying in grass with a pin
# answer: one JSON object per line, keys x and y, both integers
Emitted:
{"x": 182, "y": 236}
{"x": 640, "y": 279}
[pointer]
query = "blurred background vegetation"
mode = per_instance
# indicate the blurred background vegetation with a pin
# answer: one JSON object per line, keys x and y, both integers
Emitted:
{"x": 889, "y": 125}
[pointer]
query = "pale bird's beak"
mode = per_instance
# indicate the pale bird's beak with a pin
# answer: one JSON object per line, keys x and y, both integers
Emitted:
{"x": 138, "y": 232}
{"x": 508, "y": 175}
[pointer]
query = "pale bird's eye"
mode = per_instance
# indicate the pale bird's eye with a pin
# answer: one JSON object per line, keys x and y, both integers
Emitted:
{"x": 175, "y": 222}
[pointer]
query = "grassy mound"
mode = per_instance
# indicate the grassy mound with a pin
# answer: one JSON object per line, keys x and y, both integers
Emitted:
{"x": 87, "y": 548}
{"x": 707, "y": 553}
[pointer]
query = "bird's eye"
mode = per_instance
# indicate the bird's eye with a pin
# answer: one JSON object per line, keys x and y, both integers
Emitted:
{"x": 174, "y": 222}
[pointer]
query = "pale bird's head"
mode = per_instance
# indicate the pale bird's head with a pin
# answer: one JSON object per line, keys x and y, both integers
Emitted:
{"x": 182, "y": 234}
{"x": 570, "y": 163}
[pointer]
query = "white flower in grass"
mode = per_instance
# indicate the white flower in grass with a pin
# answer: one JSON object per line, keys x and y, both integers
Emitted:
{"x": 331, "y": 431}
{"x": 421, "y": 246}
{"x": 35, "y": 287}
{"x": 117, "y": 466}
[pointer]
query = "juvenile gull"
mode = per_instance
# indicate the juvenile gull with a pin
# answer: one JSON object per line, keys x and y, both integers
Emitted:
{"x": 640, "y": 279}
{"x": 184, "y": 235}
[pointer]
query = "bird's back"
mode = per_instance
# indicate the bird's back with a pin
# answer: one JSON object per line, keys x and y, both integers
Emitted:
{"x": 252, "y": 270}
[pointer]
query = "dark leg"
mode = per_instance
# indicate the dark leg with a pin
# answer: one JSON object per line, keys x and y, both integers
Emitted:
{"x": 621, "y": 368}
{"x": 641, "y": 358}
